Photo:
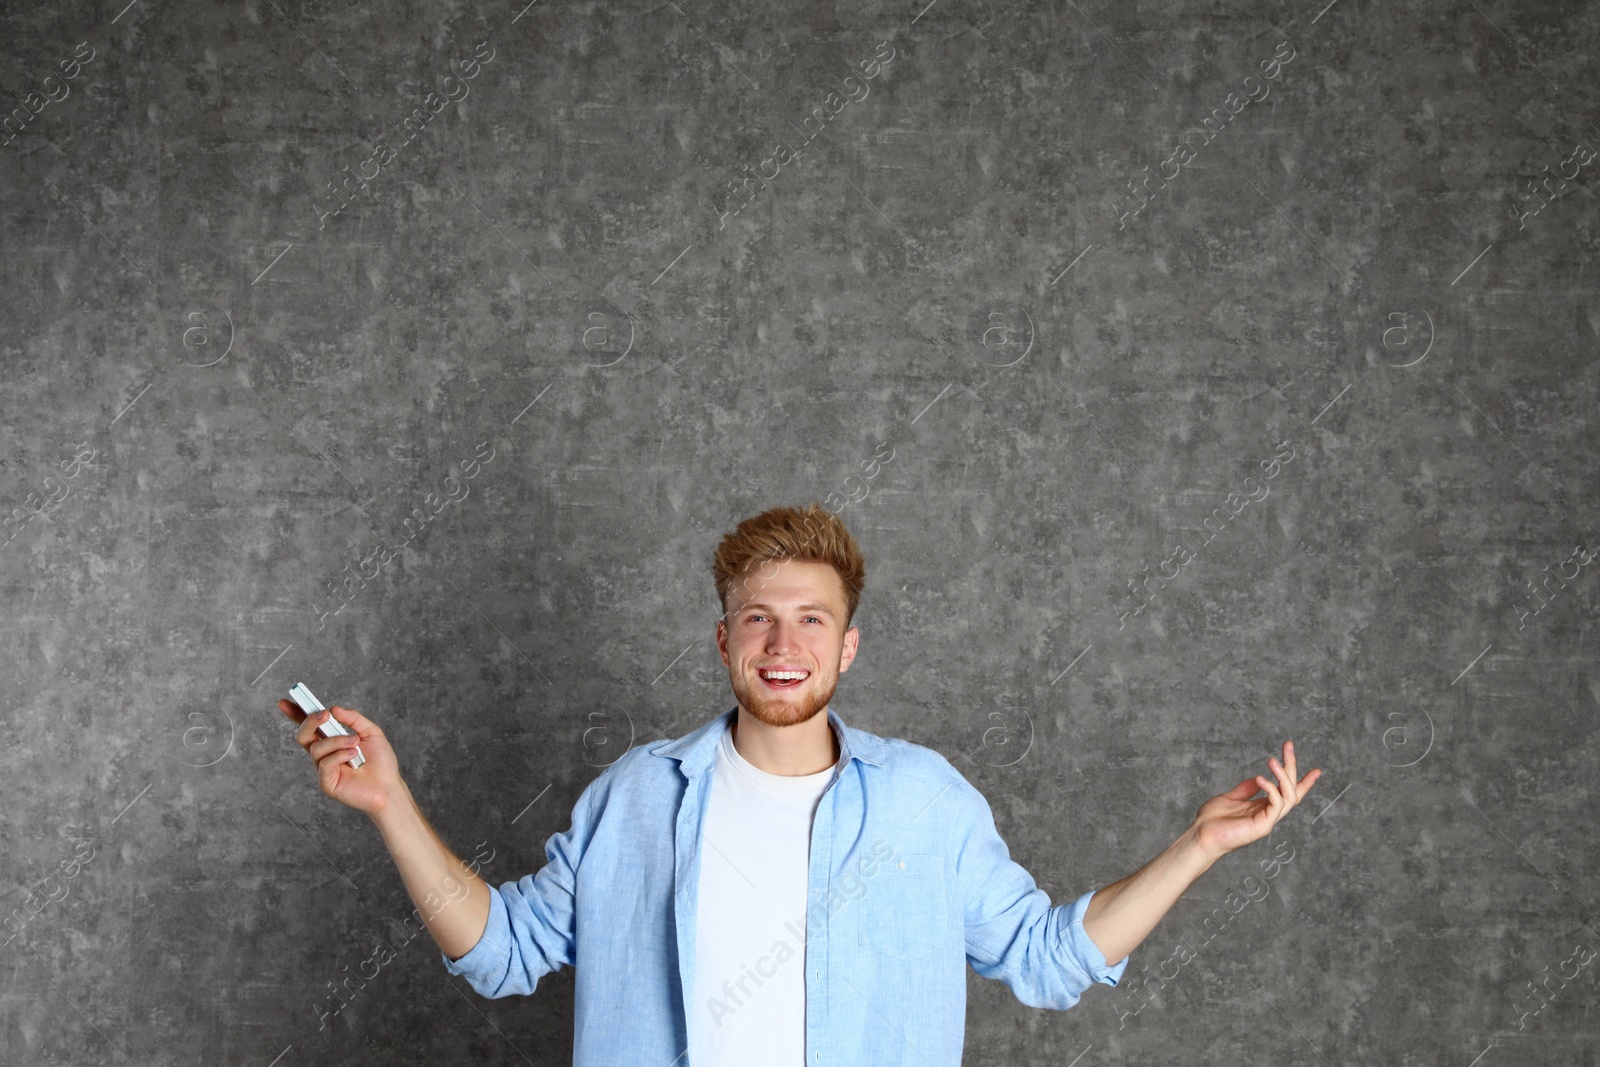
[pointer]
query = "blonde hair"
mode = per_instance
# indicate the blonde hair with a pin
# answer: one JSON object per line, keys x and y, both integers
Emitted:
{"x": 811, "y": 534}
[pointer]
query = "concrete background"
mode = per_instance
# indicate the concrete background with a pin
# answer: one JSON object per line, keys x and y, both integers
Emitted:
{"x": 221, "y": 397}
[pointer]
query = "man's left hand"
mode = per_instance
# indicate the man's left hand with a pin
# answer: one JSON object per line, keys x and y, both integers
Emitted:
{"x": 1234, "y": 819}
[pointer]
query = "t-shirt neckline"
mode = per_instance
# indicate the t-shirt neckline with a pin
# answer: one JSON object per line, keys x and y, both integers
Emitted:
{"x": 799, "y": 783}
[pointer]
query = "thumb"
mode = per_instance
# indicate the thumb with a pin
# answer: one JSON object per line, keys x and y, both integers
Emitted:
{"x": 357, "y": 722}
{"x": 1244, "y": 790}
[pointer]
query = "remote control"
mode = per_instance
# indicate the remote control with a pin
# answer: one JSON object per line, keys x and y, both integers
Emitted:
{"x": 332, "y": 728}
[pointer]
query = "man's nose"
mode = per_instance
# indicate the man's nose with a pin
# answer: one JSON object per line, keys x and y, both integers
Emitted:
{"x": 781, "y": 636}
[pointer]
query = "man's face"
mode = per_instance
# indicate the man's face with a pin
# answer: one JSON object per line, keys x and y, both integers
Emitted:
{"x": 786, "y": 615}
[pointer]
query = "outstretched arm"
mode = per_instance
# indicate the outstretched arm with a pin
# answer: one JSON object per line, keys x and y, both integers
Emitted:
{"x": 1123, "y": 913}
{"x": 425, "y": 862}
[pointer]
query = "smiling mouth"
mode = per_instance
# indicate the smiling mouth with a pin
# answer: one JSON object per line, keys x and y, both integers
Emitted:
{"x": 782, "y": 679}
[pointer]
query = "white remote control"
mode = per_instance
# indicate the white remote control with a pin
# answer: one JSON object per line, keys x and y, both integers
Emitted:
{"x": 332, "y": 728}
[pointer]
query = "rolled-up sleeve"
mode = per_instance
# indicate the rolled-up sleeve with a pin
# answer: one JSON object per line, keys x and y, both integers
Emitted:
{"x": 1083, "y": 949}
{"x": 1013, "y": 933}
{"x": 531, "y": 927}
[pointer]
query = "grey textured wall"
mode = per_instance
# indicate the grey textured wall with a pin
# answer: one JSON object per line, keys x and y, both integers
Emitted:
{"x": 452, "y": 443}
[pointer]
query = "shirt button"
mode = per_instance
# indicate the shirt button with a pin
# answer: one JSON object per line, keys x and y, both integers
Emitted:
{"x": 902, "y": 865}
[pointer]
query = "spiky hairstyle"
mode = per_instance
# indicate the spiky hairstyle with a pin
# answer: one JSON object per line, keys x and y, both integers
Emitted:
{"x": 811, "y": 534}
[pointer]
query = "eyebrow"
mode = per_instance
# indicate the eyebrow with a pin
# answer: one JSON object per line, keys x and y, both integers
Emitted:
{"x": 798, "y": 607}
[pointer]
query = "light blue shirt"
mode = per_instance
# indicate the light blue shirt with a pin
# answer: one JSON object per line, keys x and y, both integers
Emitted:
{"x": 909, "y": 882}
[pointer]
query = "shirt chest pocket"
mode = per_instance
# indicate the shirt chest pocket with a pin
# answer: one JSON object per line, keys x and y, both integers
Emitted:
{"x": 902, "y": 912}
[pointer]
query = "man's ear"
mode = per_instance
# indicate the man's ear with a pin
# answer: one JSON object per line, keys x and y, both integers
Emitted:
{"x": 847, "y": 655}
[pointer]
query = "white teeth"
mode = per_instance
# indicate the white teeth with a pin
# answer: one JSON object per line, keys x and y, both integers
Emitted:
{"x": 778, "y": 676}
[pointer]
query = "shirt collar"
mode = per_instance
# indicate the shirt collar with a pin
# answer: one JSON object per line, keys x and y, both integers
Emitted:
{"x": 696, "y": 750}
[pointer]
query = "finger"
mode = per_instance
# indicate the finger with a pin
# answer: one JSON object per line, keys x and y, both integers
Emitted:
{"x": 1288, "y": 760}
{"x": 328, "y": 767}
{"x": 1310, "y": 780}
{"x": 324, "y": 745}
{"x": 308, "y": 729}
{"x": 1284, "y": 781}
{"x": 296, "y": 714}
{"x": 1274, "y": 800}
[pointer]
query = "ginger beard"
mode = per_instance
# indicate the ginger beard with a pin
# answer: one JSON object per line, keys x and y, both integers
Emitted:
{"x": 788, "y": 707}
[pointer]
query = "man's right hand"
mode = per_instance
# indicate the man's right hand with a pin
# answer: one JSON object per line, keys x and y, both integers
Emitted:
{"x": 370, "y": 787}
{"x": 425, "y": 862}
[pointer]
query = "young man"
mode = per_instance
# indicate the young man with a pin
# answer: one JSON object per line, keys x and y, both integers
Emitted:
{"x": 776, "y": 887}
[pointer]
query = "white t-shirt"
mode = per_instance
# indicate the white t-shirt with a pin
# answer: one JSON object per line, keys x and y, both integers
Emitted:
{"x": 749, "y": 1003}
